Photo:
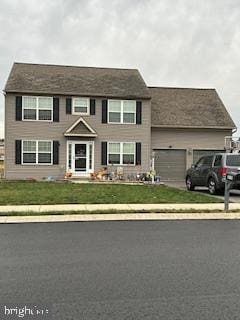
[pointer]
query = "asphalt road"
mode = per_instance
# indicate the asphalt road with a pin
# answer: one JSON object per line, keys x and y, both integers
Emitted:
{"x": 124, "y": 270}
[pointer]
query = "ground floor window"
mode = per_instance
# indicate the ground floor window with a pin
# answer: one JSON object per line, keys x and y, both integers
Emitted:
{"x": 37, "y": 152}
{"x": 121, "y": 153}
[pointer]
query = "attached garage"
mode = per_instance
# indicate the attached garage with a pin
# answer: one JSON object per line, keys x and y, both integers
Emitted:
{"x": 197, "y": 154}
{"x": 170, "y": 164}
{"x": 187, "y": 124}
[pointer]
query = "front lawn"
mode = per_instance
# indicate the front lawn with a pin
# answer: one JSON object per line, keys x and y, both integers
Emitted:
{"x": 24, "y": 192}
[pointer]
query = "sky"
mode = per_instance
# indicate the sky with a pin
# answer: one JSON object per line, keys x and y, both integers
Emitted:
{"x": 177, "y": 43}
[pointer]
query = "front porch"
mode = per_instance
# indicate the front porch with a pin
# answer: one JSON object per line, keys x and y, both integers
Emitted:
{"x": 80, "y": 149}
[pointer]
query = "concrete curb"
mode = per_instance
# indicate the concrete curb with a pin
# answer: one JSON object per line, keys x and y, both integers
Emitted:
{"x": 119, "y": 217}
{"x": 87, "y": 212}
{"x": 116, "y": 207}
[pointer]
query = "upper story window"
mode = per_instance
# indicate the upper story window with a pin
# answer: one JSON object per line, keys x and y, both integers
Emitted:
{"x": 81, "y": 106}
{"x": 37, "y": 108}
{"x": 122, "y": 111}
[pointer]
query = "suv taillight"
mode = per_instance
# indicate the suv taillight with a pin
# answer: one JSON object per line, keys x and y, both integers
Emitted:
{"x": 223, "y": 172}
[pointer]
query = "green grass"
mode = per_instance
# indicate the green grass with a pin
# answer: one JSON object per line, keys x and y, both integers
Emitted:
{"x": 25, "y": 192}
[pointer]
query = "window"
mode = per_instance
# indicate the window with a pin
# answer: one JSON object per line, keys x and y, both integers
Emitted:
{"x": 29, "y": 108}
{"x": 45, "y": 108}
{"x": 122, "y": 111}
{"x": 37, "y": 108}
{"x": 205, "y": 161}
{"x": 29, "y": 149}
{"x": 218, "y": 161}
{"x": 128, "y": 151}
{"x": 200, "y": 162}
{"x": 233, "y": 160}
{"x": 129, "y": 111}
{"x": 70, "y": 156}
{"x": 208, "y": 161}
{"x": 80, "y": 106}
{"x": 44, "y": 152}
{"x": 36, "y": 152}
{"x": 122, "y": 153}
{"x": 114, "y": 153}
{"x": 114, "y": 111}
{"x": 90, "y": 156}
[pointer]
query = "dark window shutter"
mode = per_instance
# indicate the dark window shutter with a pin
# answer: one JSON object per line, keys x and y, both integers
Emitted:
{"x": 56, "y": 109}
{"x": 104, "y": 153}
{"x": 92, "y": 106}
{"x": 139, "y": 112}
{"x": 18, "y": 108}
{"x": 104, "y": 111}
{"x": 55, "y": 152}
{"x": 18, "y": 151}
{"x": 138, "y": 153}
{"x": 69, "y": 105}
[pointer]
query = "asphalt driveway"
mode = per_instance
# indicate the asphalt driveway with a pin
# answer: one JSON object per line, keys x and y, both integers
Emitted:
{"x": 234, "y": 194}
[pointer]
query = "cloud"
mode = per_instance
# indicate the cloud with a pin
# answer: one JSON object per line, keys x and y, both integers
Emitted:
{"x": 173, "y": 43}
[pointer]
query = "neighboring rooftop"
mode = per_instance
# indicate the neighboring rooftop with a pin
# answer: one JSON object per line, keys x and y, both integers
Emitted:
{"x": 186, "y": 107}
{"x": 70, "y": 80}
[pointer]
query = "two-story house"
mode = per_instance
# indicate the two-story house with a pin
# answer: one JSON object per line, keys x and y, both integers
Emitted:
{"x": 62, "y": 119}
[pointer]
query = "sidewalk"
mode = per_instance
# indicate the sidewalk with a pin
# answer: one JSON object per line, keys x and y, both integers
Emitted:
{"x": 104, "y": 212}
{"x": 117, "y": 207}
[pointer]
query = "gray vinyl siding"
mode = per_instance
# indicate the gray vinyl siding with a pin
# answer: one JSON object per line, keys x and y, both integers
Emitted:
{"x": 19, "y": 130}
{"x": 189, "y": 139}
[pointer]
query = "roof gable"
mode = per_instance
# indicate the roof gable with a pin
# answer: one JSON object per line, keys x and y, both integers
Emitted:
{"x": 186, "y": 107}
{"x": 80, "y": 128}
{"x": 70, "y": 80}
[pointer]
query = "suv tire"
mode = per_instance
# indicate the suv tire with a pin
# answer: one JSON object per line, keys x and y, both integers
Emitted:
{"x": 189, "y": 184}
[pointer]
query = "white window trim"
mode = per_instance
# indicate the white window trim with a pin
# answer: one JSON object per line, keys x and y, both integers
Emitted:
{"x": 36, "y": 163}
{"x": 37, "y": 109}
{"x": 121, "y": 154}
{"x": 81, "y": 113}
{"x": 121, "y": 112}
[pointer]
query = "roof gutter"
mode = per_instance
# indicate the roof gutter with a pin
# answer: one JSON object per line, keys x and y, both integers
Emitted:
{"x": 98, "y": 95}
{"x": 192, "y": 127}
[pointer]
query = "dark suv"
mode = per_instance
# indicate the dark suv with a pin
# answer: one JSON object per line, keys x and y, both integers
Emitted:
{"x": 210, "y": 171}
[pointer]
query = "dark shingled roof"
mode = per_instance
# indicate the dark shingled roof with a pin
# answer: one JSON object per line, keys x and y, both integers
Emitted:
{"x": 70, "y": 80}
{"x": 185, "y": 107}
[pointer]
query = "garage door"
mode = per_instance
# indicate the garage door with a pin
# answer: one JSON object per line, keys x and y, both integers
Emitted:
{"x": 170, "y": 164}
{"x": 197, "y": 154}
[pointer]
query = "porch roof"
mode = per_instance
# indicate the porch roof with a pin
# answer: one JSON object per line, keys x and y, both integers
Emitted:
{"x": 80, "y": 128}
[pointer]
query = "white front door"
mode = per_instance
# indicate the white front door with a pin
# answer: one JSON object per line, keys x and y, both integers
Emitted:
{"x": 80, "y": 157}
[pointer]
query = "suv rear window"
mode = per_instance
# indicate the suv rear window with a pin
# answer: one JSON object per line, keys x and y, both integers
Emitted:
{"x": 233, "y": 160}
